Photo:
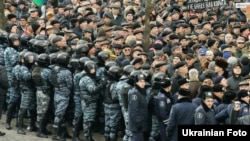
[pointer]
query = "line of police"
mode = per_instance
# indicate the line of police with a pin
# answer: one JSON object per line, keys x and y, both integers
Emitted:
{"x": 39, "y": 82}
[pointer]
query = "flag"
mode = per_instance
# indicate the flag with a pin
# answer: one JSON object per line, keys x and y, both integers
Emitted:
{"x": 38, "y": 2}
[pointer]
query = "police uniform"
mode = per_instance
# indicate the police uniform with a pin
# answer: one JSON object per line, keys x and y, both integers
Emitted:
{"x": 28, "y": 98}
{"x": 122, "y": 90}
{"x": 62, "y": 80}
{"x": 14, "y": 98}
{"x": 203, "y": 114}
{"x": 182, "y": 113}
{"x": 138, "y": 111}
{"x": 10, "y": 60}
{"x": 77, "y": 102}
{"x": 89, "y": 94}
{"x": 112, "y": 108}
{"x": 41, "y": 76}
{"x": 163, "y": 106}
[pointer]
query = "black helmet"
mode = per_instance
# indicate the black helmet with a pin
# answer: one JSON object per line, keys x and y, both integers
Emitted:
{"x": 103, "y": 56}
{"x": 40, "y": 44}
{"x": 43, "y": 59}
{"x": 114, "y": 72}
{"x": 147, "y": 74}
{"x": 52, "y": 57}
{"x": 74, "y": 63}
{"x": 128, "y": 69}
{"x": 29, "y": 57}
{"x": 25, "y": 38}
{"x": 82, "y": 61}
{"x": 159, "y": 78}
{"x": 110, "y": 64}
{"x": 82, "y": 49}
{"x": 21, "y": 56}
{"x": 40, "y": 37}
{"x": 14, "y": 36}
{"x": 32, "y": 41}
{"x": 62, "y": 59}
{"x": 90, "y": 65}
{"x": 132, "y": 76}
{"x": 4, "y": 38}
{"x": 3, "y": 35}
{"x": 139, "y": 76}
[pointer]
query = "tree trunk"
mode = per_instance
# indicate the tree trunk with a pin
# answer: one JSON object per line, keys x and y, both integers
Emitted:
{"x": 147, "y": 28}
{"x": 2, "y": 16}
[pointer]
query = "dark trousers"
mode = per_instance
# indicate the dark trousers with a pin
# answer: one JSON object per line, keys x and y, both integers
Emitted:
{"x": 137, "y": 136}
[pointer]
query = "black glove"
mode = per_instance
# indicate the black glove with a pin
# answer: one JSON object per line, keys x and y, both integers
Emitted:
{"x": 104, "y": 82}
{"x": 99, "y": 88}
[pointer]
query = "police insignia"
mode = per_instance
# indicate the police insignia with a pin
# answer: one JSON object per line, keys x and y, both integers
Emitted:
{"x": 199, "y": 115}
{"x": 162, "y": 104}
{"x": 134, "y": 97}
{"x": 168, "y": 101}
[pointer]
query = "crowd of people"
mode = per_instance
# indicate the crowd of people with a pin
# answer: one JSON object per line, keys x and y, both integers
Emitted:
{"x": 85, "y": 63}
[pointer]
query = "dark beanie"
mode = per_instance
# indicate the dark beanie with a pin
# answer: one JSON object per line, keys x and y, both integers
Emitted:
{"x": 218, "y": 79}
{"x": 35, "y": 26}
{"x": 244, "y": 60}
{"x": 125, "y": 62}
{"x": 210, "y": 42}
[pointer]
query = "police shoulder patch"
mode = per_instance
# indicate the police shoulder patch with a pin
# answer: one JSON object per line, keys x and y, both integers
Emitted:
{"x": 162, "y": 104}
{"x": 168, "y": 101}
{"x": 199, "y": 116}
{"x": 134, "y": 97}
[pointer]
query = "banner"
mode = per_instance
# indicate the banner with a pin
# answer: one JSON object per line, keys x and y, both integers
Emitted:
{"x": 203, "y": 4}
{"x": 38, "y": 2}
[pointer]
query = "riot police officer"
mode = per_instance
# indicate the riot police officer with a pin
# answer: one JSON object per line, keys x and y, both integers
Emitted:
{"x": 24, "y": 40}
{"x": 103, "y": 59}
{"x": 78, "y": 64}
{"x": 111, "y": 104}
{"x": 158, "y": 77}
{"x": 123, "y": 86}
{"x": 62, "y": 80}
{"x": 27, "y": 90}
{"x": 89, "y": 94}
{"x": 11, "y": 55}
{"x": 41, "y": 76}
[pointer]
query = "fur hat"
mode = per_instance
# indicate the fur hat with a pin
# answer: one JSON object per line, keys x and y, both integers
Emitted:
{"x": 184, "y": 92}
{"x": 222, "y": 63}
{"x": 228, "y": 96}
{"x": 242, "y": 93}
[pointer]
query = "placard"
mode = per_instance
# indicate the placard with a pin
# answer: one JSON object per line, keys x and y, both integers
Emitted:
{"x": 203, "y": 4}
{"x": 241, "y": 5}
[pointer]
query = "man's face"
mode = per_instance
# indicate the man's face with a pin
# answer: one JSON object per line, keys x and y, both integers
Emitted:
{"x": 126, "y": 51}
{"x": 115, "y": 11}
{"x": 237, "y": 70}
{"x": 141, "y": 83}
{"x": 209, "y": 102}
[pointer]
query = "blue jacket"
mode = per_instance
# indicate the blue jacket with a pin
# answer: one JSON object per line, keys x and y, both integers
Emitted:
{"x": 138, "y": 110}
{"x": 182, "y": 113}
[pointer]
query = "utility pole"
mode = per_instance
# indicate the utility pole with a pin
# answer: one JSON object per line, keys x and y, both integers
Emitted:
{"x": 147, "y": 27}
{"x": 2, "y": 16}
